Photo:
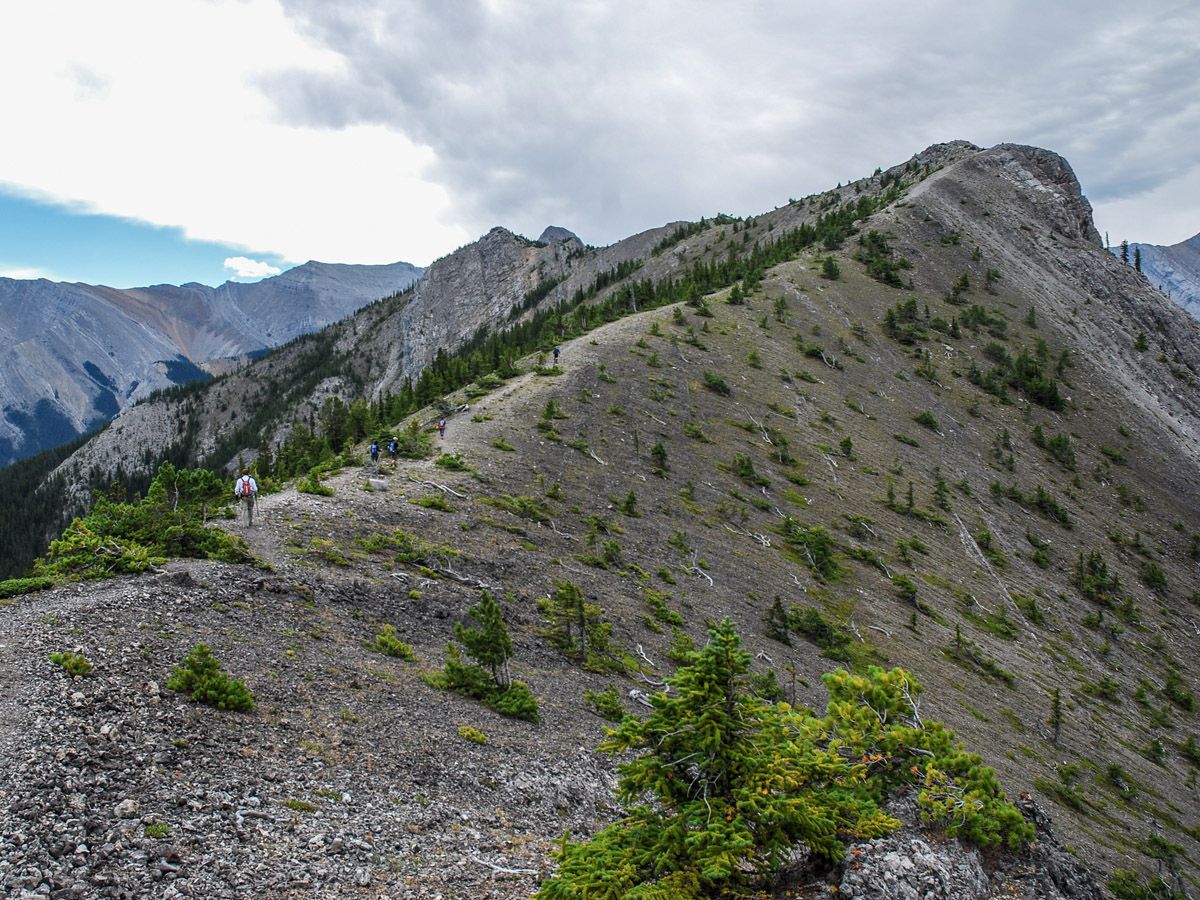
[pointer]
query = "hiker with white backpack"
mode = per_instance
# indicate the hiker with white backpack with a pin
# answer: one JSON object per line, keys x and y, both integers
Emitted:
{"x": 245, "y": 489}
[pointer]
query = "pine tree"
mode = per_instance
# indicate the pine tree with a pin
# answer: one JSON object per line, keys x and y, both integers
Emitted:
{"x": 1125, "y": 252}
{"x": 727, "y": 784}
{"x": 728, "y": 804}
{"x": 1056, "y": 716}
{"x": 488, "y": 644}
{"x": 1137, "y": 258}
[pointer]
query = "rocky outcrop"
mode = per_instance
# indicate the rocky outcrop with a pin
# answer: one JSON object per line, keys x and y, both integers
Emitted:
{"x": 914, "y": 864}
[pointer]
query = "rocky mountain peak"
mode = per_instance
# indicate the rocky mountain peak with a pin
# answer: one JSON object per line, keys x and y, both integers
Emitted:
{"x": 557, "y": 234}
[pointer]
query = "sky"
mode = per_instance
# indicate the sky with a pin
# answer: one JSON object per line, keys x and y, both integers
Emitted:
{"x": 148, "y": 141}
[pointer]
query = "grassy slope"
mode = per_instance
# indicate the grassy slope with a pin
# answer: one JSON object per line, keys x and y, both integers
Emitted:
{"x": 730, "y": 522}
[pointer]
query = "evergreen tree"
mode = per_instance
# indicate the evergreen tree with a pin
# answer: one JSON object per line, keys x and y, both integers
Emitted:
{"x": 489, "y": 643}
{"x": 728, "y": 783}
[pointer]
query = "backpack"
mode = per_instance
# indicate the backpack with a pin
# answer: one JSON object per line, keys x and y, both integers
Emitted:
{"x": 244, "y": 486}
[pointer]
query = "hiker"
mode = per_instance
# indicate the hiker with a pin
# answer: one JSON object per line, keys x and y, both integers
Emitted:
{"x": 394, "y": 451}
{"x": 246, "y": 490}
{"x": 441, "y": 426}
{"x": 375, "y": 455}
{"x": 556, "y": 356}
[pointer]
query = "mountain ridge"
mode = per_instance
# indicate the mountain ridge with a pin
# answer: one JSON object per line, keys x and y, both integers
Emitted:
{"x": 1174, "y": 270}
{"x": 931, "y": 438}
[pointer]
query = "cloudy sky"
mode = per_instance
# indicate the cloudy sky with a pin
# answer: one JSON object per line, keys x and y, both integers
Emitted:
{"x": 146, "y": 141}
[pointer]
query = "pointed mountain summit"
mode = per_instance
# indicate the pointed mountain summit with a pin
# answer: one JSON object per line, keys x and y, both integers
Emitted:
{"x": 557, "y": 234}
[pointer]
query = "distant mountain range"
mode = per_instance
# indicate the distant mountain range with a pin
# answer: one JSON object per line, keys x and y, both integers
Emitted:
{"x": 74, "y": 355}
{"x": 1175, "y": 270}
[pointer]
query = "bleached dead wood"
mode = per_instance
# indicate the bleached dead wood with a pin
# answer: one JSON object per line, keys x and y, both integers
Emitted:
{"x": 505, "y": 869}
{"x": 554, "y": 528}
{"x": 832, "y": 466}
{"x": 694, "y": 569}
{"x": 444, "y": 569}
{"x": 441, "y": 487}
{"x": 640, "y": 697}
{"x": 642, "y": 654}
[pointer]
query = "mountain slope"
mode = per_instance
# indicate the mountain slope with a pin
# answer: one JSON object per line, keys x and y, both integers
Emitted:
{"x": 1174, "y": 270}
{"x": 76, "y": 354}
{"x": 999, "y": 494}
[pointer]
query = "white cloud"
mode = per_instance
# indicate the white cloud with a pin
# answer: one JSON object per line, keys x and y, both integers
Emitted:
{"x": 612, "y": 117}
{"x": 150, "y": 111}
{"x": 382, "y": 130}
{"x": 24, "y": 272}
{"x": 244, "y": 267}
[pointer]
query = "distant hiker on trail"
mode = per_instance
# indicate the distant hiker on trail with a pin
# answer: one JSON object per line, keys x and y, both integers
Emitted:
{"x": 556, "y": 356}
{"x": 375, "y": 455}
{"x": 441, "y": 426}
{"x": 394, "y": 451}
{"x": 246, "y": 490}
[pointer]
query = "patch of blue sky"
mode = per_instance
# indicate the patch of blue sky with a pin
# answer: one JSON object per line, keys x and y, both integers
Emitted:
{"x": 47, "y": 240}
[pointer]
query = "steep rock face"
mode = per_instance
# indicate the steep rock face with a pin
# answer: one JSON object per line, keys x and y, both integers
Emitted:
{"x": 76, "y": 354}
{"x": 476, "y": 286}
{"x": 1175, "y": 270}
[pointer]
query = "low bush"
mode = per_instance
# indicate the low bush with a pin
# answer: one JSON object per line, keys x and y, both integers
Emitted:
{"x": 15, "y": 587}
{"x": 388, "y": 644}
{"x": 606, "y": 703}
{"x": 200, "y": 678}
{"x": 74, "y": 664}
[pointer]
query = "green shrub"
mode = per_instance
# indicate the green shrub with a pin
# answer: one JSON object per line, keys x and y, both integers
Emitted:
{"x": 606, "y": 703}
{"x": 73, "y": 664}
{"x": 516, "y": 701}
{"x": 1153, "y": 577}
{"x": 118, "y": 538}
{"x": 716, "y": 384}
{"x": 15, "y": 587}
{"x": 157, "y": 830}
{"x": 812, "y": 545}
{"x": 200, "y": 678}
{"x": 452, "y": 462}
{"x": 578, "y": 629}
{"x": 311, "y": 484}
{"x": 727, "y": 783}
{"x": 486, "y": 679}
{"x": 925, "y": 417}
{"x": 413, "y": 442}
{"x": 1127, "y": 884}
{"x": 524, "y": 506}
{"x": 433, "y": 501}
{"x": 474, "y": 735}
{"x": 388, "y": 644}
